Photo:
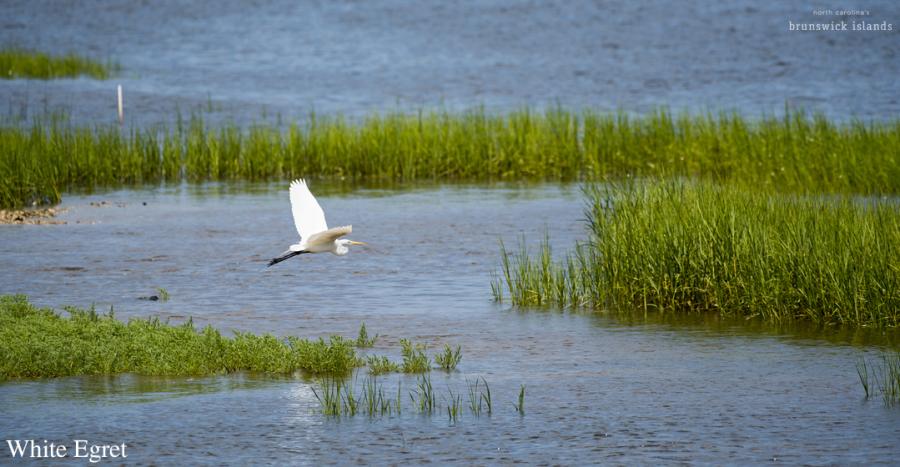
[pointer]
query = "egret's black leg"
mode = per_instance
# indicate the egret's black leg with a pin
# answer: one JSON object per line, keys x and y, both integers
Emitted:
{"x": 285, "y": 256}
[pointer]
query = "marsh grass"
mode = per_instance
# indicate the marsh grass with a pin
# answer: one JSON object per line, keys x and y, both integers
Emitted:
{"x": 496, "y": 281}
{"x": 338, "y": 397}
{"x": 374, "y": 400}
{"x": 486, "y": 397}
{"x": 362, "y": 340}
{"x": 696, "y": 247}
{"x": 350, "y": 402}
{"x": 479, "y": 397}
{"x": 329, "y": 396}
{"x": 415, "y": 360}
{"x": 796, "y": 153}
{"x": 449, "y": 358}
{"x": 454, "y": 406}
{"x": 163, "y": 294}
{"x": 424, "y": 398}
{"x": 520, "y": 405}
{"x": 18, "y": 63}
{"x": 37, "y": 342}
{"x": 862, "y": 370}
{"x": 881, "y": 376}
{"x": 379, "y": 365}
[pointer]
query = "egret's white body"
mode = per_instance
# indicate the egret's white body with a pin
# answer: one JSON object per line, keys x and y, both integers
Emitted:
{"x": 315, "y": 236}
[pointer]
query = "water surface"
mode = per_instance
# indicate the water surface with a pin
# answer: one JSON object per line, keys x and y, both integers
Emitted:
{"x": 251, "y": 60}
{"x": 598, "y": 388}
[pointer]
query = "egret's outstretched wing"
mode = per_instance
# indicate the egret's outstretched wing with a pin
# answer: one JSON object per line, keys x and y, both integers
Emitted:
{"x": 328, "y": 237}
{"x": 308, "y": 215}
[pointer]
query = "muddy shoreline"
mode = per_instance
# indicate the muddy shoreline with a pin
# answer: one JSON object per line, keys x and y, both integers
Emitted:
{"x": 31, "y": 216}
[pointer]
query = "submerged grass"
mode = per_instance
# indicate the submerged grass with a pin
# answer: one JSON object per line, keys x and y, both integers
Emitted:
{"x": 424, "y": 398}
{"x": 881, "y": 376}
{"x": 362, "y": 340}
{"x": 380, "y": 365}
{"x": 163, "y": 294}
{"x": 454, "y": 406}
{"x": 415, "y": 360}
{"x": 520, "y": 405}
{"x": 37, "y": 342}
{"x": 675, "y": 246}
{"x": 22, "y": 63}
{"x": 449, "y": 358}
{"x": 329, "y": 396}
{"x": 797, "y": 153}
{"x": 338, "y": 397}
{"x": 479, "y": 397}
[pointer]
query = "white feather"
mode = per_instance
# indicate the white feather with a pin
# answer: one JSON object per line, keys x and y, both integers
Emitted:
{"x": 308, "y": 215}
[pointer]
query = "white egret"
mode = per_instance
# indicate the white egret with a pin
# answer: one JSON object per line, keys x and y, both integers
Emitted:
{"x": 315, "y": 236}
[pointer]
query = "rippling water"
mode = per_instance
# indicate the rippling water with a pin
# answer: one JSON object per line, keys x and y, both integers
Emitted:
{"x": 247, "y": 60}
{"x": 598, "y": 388}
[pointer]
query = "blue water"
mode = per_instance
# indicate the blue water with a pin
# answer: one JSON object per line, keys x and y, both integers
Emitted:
{"x": 598, "y": 388}
{"x": 246, "y": 61}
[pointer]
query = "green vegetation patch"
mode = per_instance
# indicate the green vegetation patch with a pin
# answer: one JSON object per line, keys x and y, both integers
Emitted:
{"x": 380, "y": 365}
{"x": 796, "y": 153}
{"x": 415, "y": 360}
{"x": 37, "y": 342}
{"x": 684, "y": 247}
{"x": 449, "y": 358}
{"x": 22, "y": 63}
{"x": 362, "y": 340}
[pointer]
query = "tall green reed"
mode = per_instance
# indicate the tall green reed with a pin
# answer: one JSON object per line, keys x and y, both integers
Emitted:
{"x": 680, "y": 246}
{"x": 796, "y": 153}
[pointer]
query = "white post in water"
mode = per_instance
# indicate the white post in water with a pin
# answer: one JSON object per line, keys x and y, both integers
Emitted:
{"x": 121, "y": 108}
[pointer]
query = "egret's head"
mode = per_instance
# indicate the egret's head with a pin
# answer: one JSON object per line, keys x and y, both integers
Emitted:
{"x": 343, "y": 246}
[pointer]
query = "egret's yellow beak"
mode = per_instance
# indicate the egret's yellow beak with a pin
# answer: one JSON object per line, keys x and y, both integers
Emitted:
{"x": 353, "y": 242}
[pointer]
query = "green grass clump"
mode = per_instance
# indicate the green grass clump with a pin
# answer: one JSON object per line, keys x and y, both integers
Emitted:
{"x": 796, "y": 153}
{"x": 37, "y": 342}
{"x": 687, "y": 247}
{"x": 380, "y": 365}
{"x": 424, "y": 398}
{"x": 362, "y": 340}
{"x": 414, "y": 358}
{"x": 479, "y": 397}
{"x": 449, "y": 358}
{"x": 21, "y": 63}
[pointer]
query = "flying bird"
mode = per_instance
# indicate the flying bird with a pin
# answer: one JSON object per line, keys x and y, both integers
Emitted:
{"x": 315, "y": 236}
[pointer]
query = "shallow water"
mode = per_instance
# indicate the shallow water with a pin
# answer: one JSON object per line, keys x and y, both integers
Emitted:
{"x": 598, "y": 388}
{"x": 251, "y": 60}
